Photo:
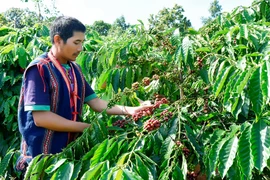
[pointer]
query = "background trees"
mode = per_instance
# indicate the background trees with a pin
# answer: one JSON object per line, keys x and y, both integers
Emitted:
{"x": 214, "y": 10}
{"x": 19, "y": 18}
{"x": 101, "y": 27}
{"x": 3, "y": 20}
{"x": 119, "y": 26}
{"x": 169, "y": 18}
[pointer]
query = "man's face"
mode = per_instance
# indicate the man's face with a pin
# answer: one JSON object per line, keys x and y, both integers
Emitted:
{"x": 73, "y": 46}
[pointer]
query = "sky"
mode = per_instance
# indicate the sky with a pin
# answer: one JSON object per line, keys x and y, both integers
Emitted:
{"x": 133, "y": 10}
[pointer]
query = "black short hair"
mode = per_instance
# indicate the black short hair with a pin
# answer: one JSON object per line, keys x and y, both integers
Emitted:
{"x": 64, "y": 26}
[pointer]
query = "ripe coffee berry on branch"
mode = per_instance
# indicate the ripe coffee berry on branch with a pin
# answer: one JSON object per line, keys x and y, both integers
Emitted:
{"x": 200, "y": 62}
{"x": 146, "y": 81}
{"x": 141, "y": 113}
{"x": 186, "y": 151}
{"x": 179, "y": 143}
{"x": 166, "y": 115}
{"x": 206, "y": 89}
{"x": 148, "y": 111}
{"x": 155, "y": 77}
{"x": 205, "y": 107}
{"x": 135, "y": 85}
{"x": 234, "y": 41}
{"x": 120, "y": 123}
{"x": 192, "y": 175}
{"x": 161, "y": 101}
{"x": 151, "y": 125}
{"x": 158, "y": 97}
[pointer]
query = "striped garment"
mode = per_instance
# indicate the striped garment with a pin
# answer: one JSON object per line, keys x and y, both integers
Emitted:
{"x": 48, "y": 86}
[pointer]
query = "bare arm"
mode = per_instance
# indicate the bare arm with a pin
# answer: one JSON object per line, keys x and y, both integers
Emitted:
{"x": 52, "y": 121}
{"x": 99, "y": 105}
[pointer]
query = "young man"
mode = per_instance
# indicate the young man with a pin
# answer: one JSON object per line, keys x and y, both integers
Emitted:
{"x": 53, "y": 93}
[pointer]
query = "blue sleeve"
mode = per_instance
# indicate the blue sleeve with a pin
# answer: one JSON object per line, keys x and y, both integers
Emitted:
{"x": 36, "y": 92}
{"x": 89, "y": 92}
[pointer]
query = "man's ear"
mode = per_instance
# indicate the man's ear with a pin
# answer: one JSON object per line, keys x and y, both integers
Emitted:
{"x": 57, "y": 39}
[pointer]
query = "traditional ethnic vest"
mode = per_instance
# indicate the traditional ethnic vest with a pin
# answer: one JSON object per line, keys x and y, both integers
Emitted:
{"x": 64, "y": 102}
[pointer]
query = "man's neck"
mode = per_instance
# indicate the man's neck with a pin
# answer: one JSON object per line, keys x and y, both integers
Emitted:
{"x": 57, "y": 55}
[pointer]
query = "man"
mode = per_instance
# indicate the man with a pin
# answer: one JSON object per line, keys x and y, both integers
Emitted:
{"x": 53, "y": 93}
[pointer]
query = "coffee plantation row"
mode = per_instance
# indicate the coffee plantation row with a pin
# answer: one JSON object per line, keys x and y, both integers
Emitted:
{"x": 210, "y": 89}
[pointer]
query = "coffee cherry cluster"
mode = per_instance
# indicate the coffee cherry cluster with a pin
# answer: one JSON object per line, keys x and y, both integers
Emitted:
{"x": 205, "y": 107}
{"x": 146, "y": 81}
{"x": 135, "y": 85}
{"x": 200, "y": 62}
{"x": 192, "y": 175}
{"x": 206, "y": 89}
{"x": 113, "y": 101}
{"x": 166, "y": 115}
{"x": 234, "y": 41}
{"x": 131, "y": 60}
{"x": 140, "y": 114}
{"x": 158, "y": 97}
{"x": 155, "y": 77}
{"x": 186, "y": 151}
{"x": 178, "y": 143}
{"x": 151, "y": 125}
{"x": 159, "y": 102}
{"x": 150, "y": 110}
{"x": 120, "y": 123}
{"x": 191, "y": 71}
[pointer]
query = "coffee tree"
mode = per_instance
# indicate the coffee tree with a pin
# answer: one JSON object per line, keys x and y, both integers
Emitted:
{"x": 17, "y": 47}
{"x": 210, "y": 95}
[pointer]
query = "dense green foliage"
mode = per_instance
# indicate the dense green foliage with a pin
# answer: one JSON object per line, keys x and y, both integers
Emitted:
{"x": 216, "y": 82}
